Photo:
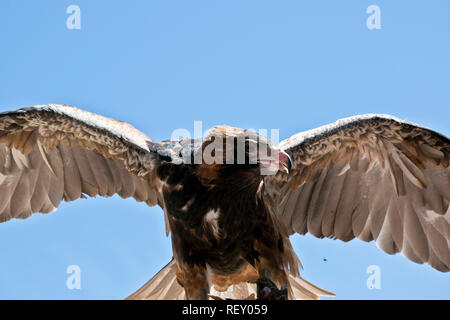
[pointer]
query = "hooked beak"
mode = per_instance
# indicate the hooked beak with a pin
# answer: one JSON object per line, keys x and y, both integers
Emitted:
{"x": 285, "y": 162}
{"x": 280, "y": 161}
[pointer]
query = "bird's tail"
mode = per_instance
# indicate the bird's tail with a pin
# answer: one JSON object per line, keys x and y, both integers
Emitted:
{"x": 304, "y": 290}
{"x": 164, "y": 286}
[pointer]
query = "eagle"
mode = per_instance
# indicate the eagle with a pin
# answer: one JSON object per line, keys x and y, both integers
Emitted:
{"x": 232, "y": 198}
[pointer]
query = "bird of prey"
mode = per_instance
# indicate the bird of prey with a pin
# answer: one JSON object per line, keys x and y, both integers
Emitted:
{"x": 232, "y": 199}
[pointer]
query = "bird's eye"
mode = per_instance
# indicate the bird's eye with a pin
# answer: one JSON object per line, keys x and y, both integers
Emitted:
{"x": 165, "y": 158}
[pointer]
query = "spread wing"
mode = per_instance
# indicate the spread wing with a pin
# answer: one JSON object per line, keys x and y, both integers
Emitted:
{"x": 372, "y": 177}
{"x": 54, "y": 152}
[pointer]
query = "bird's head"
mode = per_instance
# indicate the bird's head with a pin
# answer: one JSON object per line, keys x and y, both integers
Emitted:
{"x": 243, "y": 149}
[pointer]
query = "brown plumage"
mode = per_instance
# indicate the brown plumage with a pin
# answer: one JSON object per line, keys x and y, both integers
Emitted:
{"x": 231, "y": 200}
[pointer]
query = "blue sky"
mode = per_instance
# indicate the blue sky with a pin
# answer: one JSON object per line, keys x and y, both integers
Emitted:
{"x": 160, "y": 65}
